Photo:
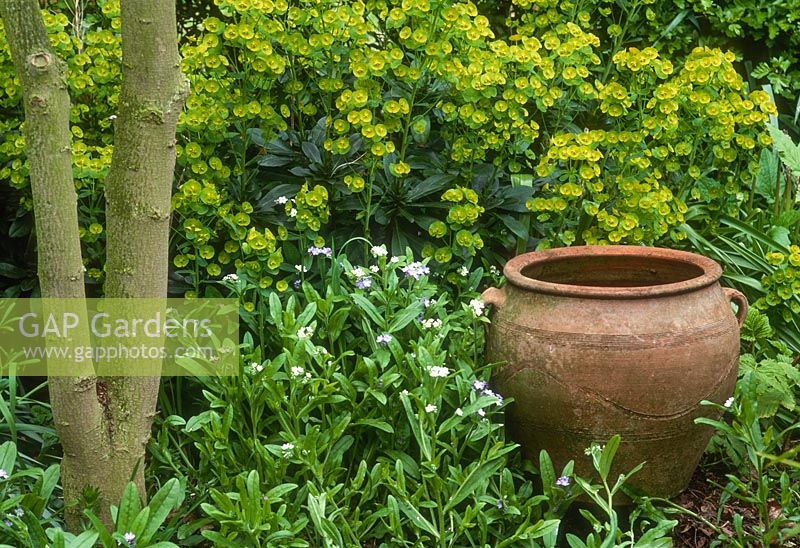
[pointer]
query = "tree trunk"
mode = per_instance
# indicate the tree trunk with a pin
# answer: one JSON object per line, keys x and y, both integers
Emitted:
{"x": 77, "y": 412}
{"x": 138, "y": 191}
{"x": 103, "y": 423}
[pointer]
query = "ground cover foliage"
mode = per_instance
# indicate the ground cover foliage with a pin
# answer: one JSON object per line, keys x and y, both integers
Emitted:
{"x": 355, "y": 173}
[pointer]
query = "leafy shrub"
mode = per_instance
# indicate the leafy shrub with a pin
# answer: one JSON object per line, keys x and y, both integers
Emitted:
{"x": 748, "y": 441}
{"x": 773, "y": 24}
{"x": 91, "y": 49}
{"x": 405, "y": 121}
{"x": 361, "y": 415}
{"x": 25, "y": 499}
{"x": 28, "y": 506}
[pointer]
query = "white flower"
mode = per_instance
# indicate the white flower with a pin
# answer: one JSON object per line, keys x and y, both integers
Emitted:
{"x": 375, "y": 269}
{"x": 432, "y": 323}
{"x": 403, "y": 392}
{"x": 459, "y": 412}
{"x": 19, "y": 512}
{"x": 297, "y": 371}
{"x": 281, "y": 200}
{"x": 379, "y": 251}
{"x": 287, "y": 449}
{"x": 293, "y": 212}
{"x": 481, "y": 413}
{"x": 728, "y": 402}
{"x": 358, "y": 272}
{"x": 305, "y": 332}
{"x": 394, "y": 260}
{"x": 256, "y": 367}
{"x": 430, "y": 408}
{"x": 129, "y": 537}
{"x": 364, "y": 283}
{"x": 438, "y": 371}
{"x": 3, "y": 474}
{"x": 301, "y": 268}
{"x": 463, "y": 271}
{"x": 112, "y": 117}
{"x": 494, "y": 271}
{"x": 385, "y": 338}
{"x": 416, "y": 270}
{"x": 477, "y": 307}
{"x": 230, "y": 278}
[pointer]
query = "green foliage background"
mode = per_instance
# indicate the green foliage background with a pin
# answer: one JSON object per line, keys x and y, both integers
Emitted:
{"x": 463, "y": 133}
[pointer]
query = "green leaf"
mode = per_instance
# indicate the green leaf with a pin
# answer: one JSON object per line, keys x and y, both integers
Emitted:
{"x": 316, "y": 506}
{"x": 781, "y": 235}
{"x": 198, "y": 421}
{"x": 413, "y": 421}
{"x": 416, "y": 518}
{"x": 476, "y": 477}
{"x": 278, "y": 491}
{"x": 272, "y": 160}
{"x": 219, "y": 540}
{"x": 35, "y": 531}
{"x": 543, "y": 528}
{"x": 788, "y": 150}
{"x": 8, "y": 270}
{"x": 8, "y": 457}
{"x": 57, "y": 536}
{"x": 105, "y": 537}
{"x": 767, "y": 175}
{"x": 658, "y": 536}
{"x": 753, "y": 233}
{"x": 519, "y": 229}
{"x": 307, "y": 314}
{"x": 140, "y": 522}
{"x": 547, "y": 472}
{"x": 336, "y": 323}
{"x": 607, "y": 456}
{"x": 575, "y": 542}
{"x": 163, "y": 502}
{"x": 370, "y": 310}
{"x": 432, "y": 184}
{"x": 275, "y": 310}
{"x": 311, "y": 151}
{"x": 677, "y": 20}
{"x": 375, "y": 423}
{"x": 394, "y": 514}
{"x": 87, "y": 539}
{"x": 129, "y": 506}
{"x": 251, "y": 498}
{"x": 521, "y": 179}
{"x": 405, "y": 317}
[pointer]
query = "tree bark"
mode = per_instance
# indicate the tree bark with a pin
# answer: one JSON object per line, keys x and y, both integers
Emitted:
{"x": 138, "y": 191}
{"x": 77, "y": 413}
{"x": 103, "y": 423}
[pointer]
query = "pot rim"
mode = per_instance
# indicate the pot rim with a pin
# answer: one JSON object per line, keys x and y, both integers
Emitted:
{"x": 712, "y": 271}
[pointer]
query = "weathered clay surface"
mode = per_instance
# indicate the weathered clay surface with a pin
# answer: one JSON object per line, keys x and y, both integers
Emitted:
{"x": 597, "y": 341}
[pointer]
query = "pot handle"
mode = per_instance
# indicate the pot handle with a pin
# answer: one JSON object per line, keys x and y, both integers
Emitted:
{"x": 741, "y": 303}
{"x": 495, "y": 297}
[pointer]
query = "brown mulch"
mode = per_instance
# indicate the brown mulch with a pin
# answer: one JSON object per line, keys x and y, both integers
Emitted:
{"x": 703, "y": 498}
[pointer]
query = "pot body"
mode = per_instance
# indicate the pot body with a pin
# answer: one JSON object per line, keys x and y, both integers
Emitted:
{"x": 612, "y": 355}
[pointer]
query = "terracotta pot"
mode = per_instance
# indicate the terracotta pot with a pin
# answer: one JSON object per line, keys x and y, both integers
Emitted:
{"x": 597, "y": 341}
